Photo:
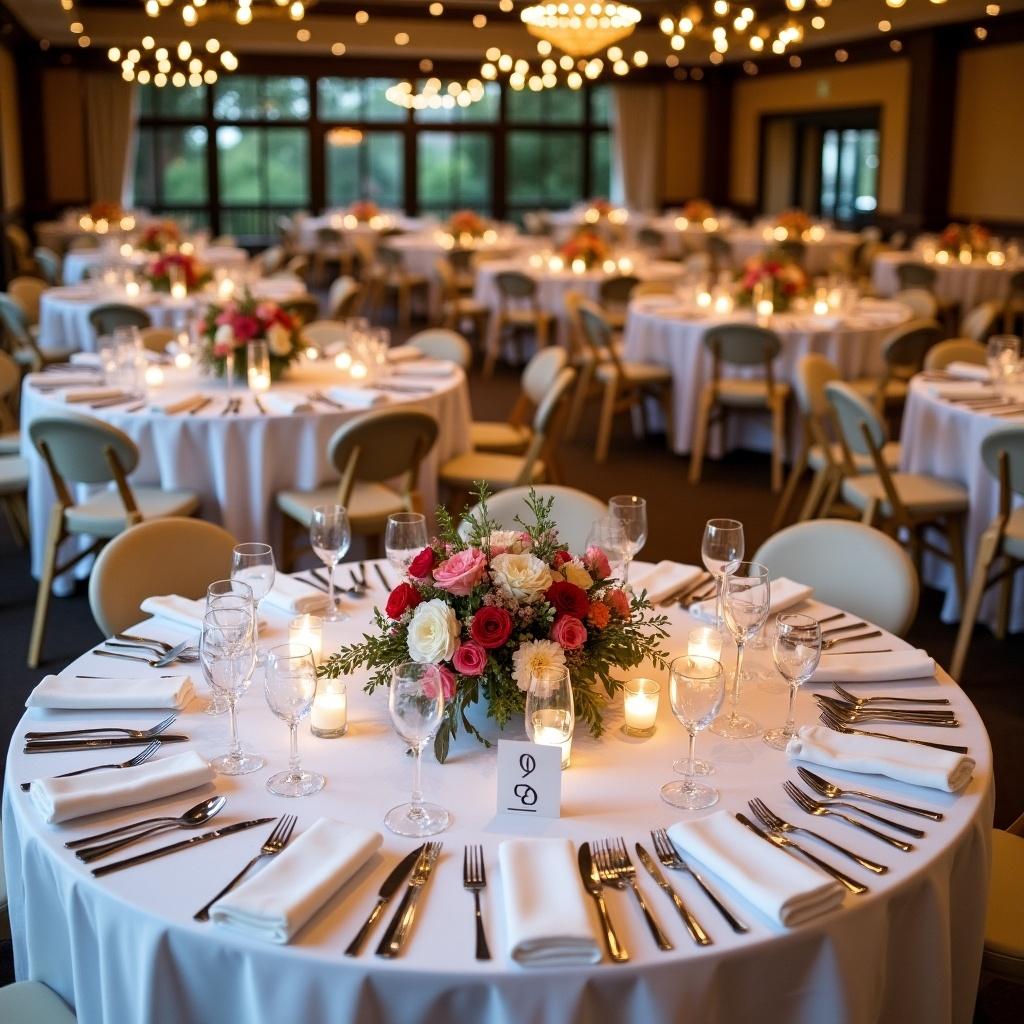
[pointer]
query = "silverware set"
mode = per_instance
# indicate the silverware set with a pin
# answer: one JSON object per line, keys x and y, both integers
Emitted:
{"x": 830, "y": 809}
{"x": 827, "y": 789}
{"x": 141, "y": 757}
{"x": 399, "y": 928}
{"x": 318, "y": 578}
{"x": 231, "y": 407}
{"x": 319, "y": 396}
{"x": 396, "y": 876}
{"x": 617, "y": 870}
{"x": 851, "y": 714}
{"x": 835, "y": 723}
{"x": 156, "y": 653}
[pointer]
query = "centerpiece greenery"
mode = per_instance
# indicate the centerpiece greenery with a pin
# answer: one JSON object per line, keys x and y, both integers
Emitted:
{"x": 772, "y": 275}
{"x": 587, "y": 246}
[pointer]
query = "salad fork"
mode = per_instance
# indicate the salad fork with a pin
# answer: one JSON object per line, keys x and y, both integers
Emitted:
{"x": 474, "y": 880}
{"x": 613, "y": 860}
{"x": 919, "y": 716}
{"x": 819, "y": 809}
{"x": 137, "y": 734}
{"x": 151, "y": 662}
{"x": 828, "y": 789}
{"x": 140, "y": 758}
{"x": 836, "y": 640}
{"x": 862, "y": 701}
{"x": 836, "y": 725}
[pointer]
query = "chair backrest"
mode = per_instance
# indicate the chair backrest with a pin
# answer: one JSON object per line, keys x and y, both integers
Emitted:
{"x": 461, "y": 260}
{"x": 514, "y": 284}
{"x": 10, "y": 375}
{"x": 955, "y": 350}
{"x": 340, "y": 297}
{"x": 270, "y": 259}
{"x": 545, "y": 414}
{"x": 921, "y": 302}
{"x": 26, "y": 292}
{"x": 908, "y": 345}
{"x": 980, "y": 322}
{"x": 743, "y": 344}
{"x": 542, "y": 371}
{"x": 618, "y": 290}
{"x": 915, "y": 275}
{"x": 654, "y": 288}
{"x": 303, "y": 308}
{"x": 298, "y": 265}
{"x": 107, "y": 318}
{"x": 853, "y": 413}
{"x": 441, "y": 343}
{"x": 1011, "y": 441}
{"x": 597, "y": 332}
{"x": 174, "y": 555}
{"x": 813, "y": 372}
{"x": 78, "y": 446}
{"x": 12, "y": 316}
{"x": 574, "y": 511}
{"x": 321, "y": 333}
{"x": 650, "y": 238}
{"x": 156, "y": 339}
{"x": 850, "y": 565}
{"x": 49, "y": 264}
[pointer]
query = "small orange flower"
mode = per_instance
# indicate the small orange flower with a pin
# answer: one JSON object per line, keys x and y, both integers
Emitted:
{"x": 599, "y": 614}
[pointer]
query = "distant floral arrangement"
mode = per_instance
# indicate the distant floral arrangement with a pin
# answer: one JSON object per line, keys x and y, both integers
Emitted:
{"x": 587, "y": 246}
{"x": 601, "y": 206}
{"x": 698, "y": 210}
{"x": 794, "y": 223}
{"x": 159, "y": 236}
{"x": 227, "y": 329}
{"x": 364, "y": 210}
{"x": 972, "y": 236}
{"x": 466, "y": 222}
{"x": 106, "y": 209}
{"x": 779, "y": 278}
{"x": 177, "y": 266}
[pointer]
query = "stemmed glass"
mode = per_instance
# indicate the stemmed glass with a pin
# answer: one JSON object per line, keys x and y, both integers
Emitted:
{"x": 1003, "y": 358}
{"x": 226, "y": 594}
{"x": 722, "y": 543}
{"x": 608, "y": 535}
{"x": 330, "y": 535}
{"x": 416, "y": 704}
{"x": 405, "y": 537}
{"x": 550, "y": 711}
{"x": 631, "y": 513}
{"x": 290, "y": 685}
{"x": 227, "y": 653}
{"x": 696, "y": 690}
{"x": 745, "y": 602}
{"x": 796, "y": 652}
{"x": 254, "y": 564}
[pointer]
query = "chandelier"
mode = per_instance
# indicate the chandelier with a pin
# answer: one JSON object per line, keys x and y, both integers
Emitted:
{"x": 192, "y": 11}
{"x": 728, "y": 24}
{"x": 580, "y": 29}
{"x": 175, "y": 66}
{"x": 433, "y": 97}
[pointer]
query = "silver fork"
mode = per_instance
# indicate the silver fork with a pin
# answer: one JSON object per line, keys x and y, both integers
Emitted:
{"x": 827, "y": 645}
{"x": 774, "y": 823}
{"x": 854, "y": 699}
{"x": 829, "y": 789}
{"x": 136, "y": 734}
{"x": 474, "y": 879}
{"x": 190, "y": 653}
{"x": 833, "y": 802}
{"x": 829, "y": 719}
{"x": 852, "y": 714}
{"x": 671, "y": 858}
{"x": 140, "y": 758}
{"x": 613, "y": 857}
{"x": 813, "y": 807}
{"x": 276, "y": 842}
{"x": 151, "y": 662}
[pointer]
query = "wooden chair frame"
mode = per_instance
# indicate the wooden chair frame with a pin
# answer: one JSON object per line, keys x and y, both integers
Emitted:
{"x": 539, "y": 319}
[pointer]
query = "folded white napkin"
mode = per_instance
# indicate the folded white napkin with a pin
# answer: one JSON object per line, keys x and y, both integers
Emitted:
{"x": 357, "y": 398}
{"x": 86, "y": 359}
{"x": 404, "y": 354}
{"x": 127, "y": 692}
{"x": 64, "y": 378}
{"x": 875, "y": 668}
{"x": 292, "y": 595}
{"x": 62, "y": 799}
{"x": 545, "y": 910}
{"x": 286, "y": 403}
{"x": 969, "y": 371}
{"x": 181, "y": 610}
{"x": 170, "y": 406}
{"x": 784, "y": 594}
{"x": 780, "y": 886}
{"x": 947, "y": 389}
{"x": 275, "y": 903}
{"x": 89, "y": 394}
{"x": 428, "y": 368}
{"x": 905, "y": 762}
{"x": 665, "y": 578}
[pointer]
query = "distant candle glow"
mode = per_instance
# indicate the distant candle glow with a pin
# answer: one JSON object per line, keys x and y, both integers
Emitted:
{"x": 154, "y": 376}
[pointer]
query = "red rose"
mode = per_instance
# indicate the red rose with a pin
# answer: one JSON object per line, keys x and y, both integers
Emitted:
{"x": 618, "y": 602}
{"x": 560, "y": 558}
{"x": 569, "y": 633}
{"x": 568, "y": 599}
{"x": 403, "y": 597}
{"x": 470, "y": 659}
{"x": 422, "y": 564}
{"x": 491, "y": 627}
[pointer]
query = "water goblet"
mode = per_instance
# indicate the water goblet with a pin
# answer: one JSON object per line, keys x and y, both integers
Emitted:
{"x": 254, "y": 564}
{"x": 226, "y": 594}
{"x": 721, "y": 544}
{"x": 796, "y": 652}
{"x": 631, "y": 513}
{"x": 330, "y": 535}
{"x": 1003, "y": 359}
{"x": 405, "y": 536}
{"x": 290, "y": 686}
{"x": 550, "y": 711}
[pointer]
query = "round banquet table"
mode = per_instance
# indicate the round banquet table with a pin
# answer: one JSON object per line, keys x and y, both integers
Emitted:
{"x": 680, "y": 241}
{"x": 237, "y": 464}
{"x": 824, "y": 256}
{"x": 661, "y": 330}
{"x": 965, "y": 283}
{"x": 944, "y": 440}
{"x": 308, "y": 226}
{"x": 80, "y": 262}
{"x": 125, "y": 947}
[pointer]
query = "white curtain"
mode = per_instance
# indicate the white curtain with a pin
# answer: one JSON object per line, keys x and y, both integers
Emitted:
{"x": 110, "y": 128}
{"x": 638, "y": 142}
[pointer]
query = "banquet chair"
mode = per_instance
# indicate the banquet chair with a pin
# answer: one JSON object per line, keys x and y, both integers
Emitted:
{"x": 462, "y": 263}
{"x": 81, "y": 450}
{"x": 304, "y": 309}
{"x": 321, "y": 333}
{"x": 31, "y": 1002}
{"x": 390, "y": 275}
{"x": 625, "y": 385}
{"x": 512, "y": 437}
{"x": 574, "y": 511}
{"x": 911, "y": 503}
{"x": 613, "y": 296}
{"x": 270, "y": 260}
{"x": 110, "y": 316}
{"x": 1003, "y": 541}
{"x": 344, "y": 298}
{"x": 26, "y": 292}
{"x": 22, "y": 341}
{"x": 720, "y": 250}
{"x": 173, "y": 555}
{"x": 441, "y": 343}
{"x": 955, "y": 350}
{"x": 456, "y": 308}
{"x": 519, "y": 309}
{"x": 653, "y": 288}
{"x": 581, "y": 358}
{"x": 156, "y": 339}
{"x": 741, "y": 345}
{"x": 10, "y": 382}
{"x": 920, "y": 302}
{"x": 911, "y": 274}
{"x": 981, "y": 321}
{"x": 851, "y": 566}
{"x": 652, "y": 240}
{"x": 49, "y": 264}
{"x": 13, "y": 494}
{"x": 20, "y": 247}
{"x": 330, "y": 248}
{"x": 1003, "y": 956}
{"x": 368, "y": 452}
{"x": 536, "y": 465}
{"x": 297, "y": 266}
{"x": 904, "y": 351}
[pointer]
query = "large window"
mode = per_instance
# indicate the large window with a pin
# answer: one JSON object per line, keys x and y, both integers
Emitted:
{"x": 454, "y": 171}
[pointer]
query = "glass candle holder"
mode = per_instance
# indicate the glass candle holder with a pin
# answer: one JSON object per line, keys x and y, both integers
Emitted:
{"x": 308, "y": 631}
{"x": 257, "y": 362}
{"x": 328, "y": 718}
{"x": 704, "y": 642}
{"x": 640, "y": 702}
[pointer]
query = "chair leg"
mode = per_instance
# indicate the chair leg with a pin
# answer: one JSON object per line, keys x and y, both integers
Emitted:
{"x": 54, "y": 536}
{"x": 15, "y": 516}
{"x": 667, "y": 412}
{"x": 778, "y": 443}
{"x": 1005, "y": 593}
{"x": 579, "y": 399}
{"x": 870, "y": 511}
{"x": 789, "y": 491}
{"x": 492, "y": 344}
{"x": 955, "y": 535}
{"x": 831, "y": 493}
{"x": 604, "y": 428}
{"x": 700, "y": 439}
{"x": 988, "y": 550}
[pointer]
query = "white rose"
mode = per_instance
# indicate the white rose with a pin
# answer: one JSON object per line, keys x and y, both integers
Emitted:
{"x": 523, "y": 577}
{"x": 506, "y": 541}
{"x": 534, "y": 657}
{"x": 279, "y": 339}
{"x": 224, "y": 336}
{"x": 433, "y": 632}
{"x": 575, "y": 573}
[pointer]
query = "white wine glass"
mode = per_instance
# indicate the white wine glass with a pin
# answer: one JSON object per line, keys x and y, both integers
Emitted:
{"x": 405, "y": 536}
{"x": 796, "y": 652}
{"x": 721, "y": 544}
{"x": 330, "y": 535}
{"x": 416, "y": 704}
{"x": 631, "y": 513}
{"x": 226, "y": 594}
{"x": 550, "y": 711}
{"x": 290, "y": 686}
{"x": 254, "y": 564}
{"x": 607, "y": 534}
{"x": 1003, "y": 357}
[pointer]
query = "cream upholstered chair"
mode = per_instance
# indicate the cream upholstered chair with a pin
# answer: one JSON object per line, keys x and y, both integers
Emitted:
{"x": 270, "y": 260}
{"x": 980, "y": 322}
{"x": 850, "y": 565}
{"x": 614, "y": 294}
{"x": 519, "y": 310}
{"x": 321, "y": 333}
{"x": 156, "y": 339}
{"x": 10, "y": 381}
{"x": 1003, "y": 540}
{"x": 390, "y": 275}
{"x": 26, "y": 292}
{"x": 31, "y": 1002}
{"x": 441, "y": 343}
{"x": 368, "y": 452}
{"x": 49, "y": 264}
{"x": 111, "y": 316}
{"x": 955, "y": 350}
{"x": 81, "y": 450}
{"x": 331, "y": 248}
{"x": 344, "y": 298}
{"x": 904, "y": 352}
{"x": 741, "y": 345}
{"x": 457, "y": 307}
{"x": 21, "y": 338}
{"x": 912, "y": 502}
{"x": 163, "y": 556}
{"x": 923, "y": 304}
{"x": 574, "y": 511}
{"x": 303, "y": 308}
{"x": 1004, "y": 923}
{"x": 13, "y": 491}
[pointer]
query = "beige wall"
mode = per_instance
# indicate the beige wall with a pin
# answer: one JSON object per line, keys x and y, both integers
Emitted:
{"x": 64, "y": 126}
{"x": 683, "y": 152}
{"x": 988, "y": 142}
{"x": 10, "y": 132}
{"x": 884, "y": 84}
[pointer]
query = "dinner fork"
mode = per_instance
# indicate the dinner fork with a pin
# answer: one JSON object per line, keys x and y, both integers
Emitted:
{"x": 151, "y": 662}
{"x": 163, "y": 645}
{"x": 614, "y": 865}
{"x": 276, "y": 842}
{"x": 774, "y": 823}
{"x": 853, "y": 714}
{"x": 474, "y": 879}
{"x": 834, "y": 723}
{"x": 842, "y": 629}
{"x": 137, "y": 734}
{"x": 836, "y": 640}
{"x": 140, "y": 758}
{"x": 190, "y": 653}
{"x": 818, "y": 809}
{"x": 854, "y": 699}
{"x": 829, "y": 789}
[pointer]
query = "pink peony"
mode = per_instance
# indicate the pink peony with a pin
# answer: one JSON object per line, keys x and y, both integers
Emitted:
{"x": 597, "y": 562}
{"x": 462, "y": 572}
{"x": 569, "y": 633}
{"x": 470, "y": 659}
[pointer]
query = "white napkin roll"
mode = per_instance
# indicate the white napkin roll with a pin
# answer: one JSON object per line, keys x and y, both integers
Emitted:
{"x": 905, "y": 762}
{"x": 181, "y": 610}
{"x": 969, "y": 371}
{"x": 783, "y": 888}
{"x": 875, "y": 668}
{"x": 169, "y": 406}
{"x": 404, "y": 354}
{"x": 785, "y": 593}
{"x": 357, "y": 398}
{"x": 292, "y": 595}
{"x": 286, "y": 403}
{"x": 275, "y": 903}
{"x": 128, "y": 692}
{"x": 428, "y": 368}
{"x": 62, "y": 799}
{"x": 545, "y": 910}
{"x": 72, "y": 395}
{"x": 665, "y": 578}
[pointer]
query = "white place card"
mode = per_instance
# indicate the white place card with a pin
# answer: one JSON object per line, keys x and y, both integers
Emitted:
{"x": 529, "y": 779}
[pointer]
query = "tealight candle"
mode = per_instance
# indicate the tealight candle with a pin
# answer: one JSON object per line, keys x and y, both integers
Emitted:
{"x": 350, "y": 221}
{"x": 780, "y": 234}
{"x": 996, "y": 258}
{"x": 490, "y": 236}
{"x": 101, "y": 227}
{"x": 816, "y": 233}
{"x": 131, "y": 289}
{"x": 552, "y": 735}
{"x": 640, "y": 702}
{"x": 556, "y": 263}
{"x": 259, "y": 381}
{"x": 536, "y": 261}
{"x": 226, "y": 288}
{"x": 182, "y": 360}
{"x": 723, "y": 304}
{"x": 578, "y": 266}
{"x": 343, "y": 360}
{"x": 704, "y": 642}
{"x": 710, "y": 224}
{"x": 127, "y": 222}
{"x": 626, "y": 265}
{"x": 312, "y": 353}
{"x": 179, "y": 290}
{"x": 704, "y": 299}
{"x": 966, "y": 256}
{"x": 359, "y": 370}
{"x": 154, "y": 376}
{"x": 821, "y": 306}
{"x": 682, "y": 223}
{"x": 328, "y": 717}
{"x": 942, "y": 256}
{"x": 308, "y": 631}
{"x": 609, "y": 266}
{"x": 765, "y": 307}
{"x": 376, "y": 222}
{"x": 186, "y": 248}
{"x": 126, "y": 250}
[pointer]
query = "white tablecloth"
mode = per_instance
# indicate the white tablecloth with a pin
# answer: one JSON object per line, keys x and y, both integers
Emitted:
{"x": 944, "y": 440}
{"x": 125, "y": 947}
{"x": 239, "y": 463}
{"x": 308, "y": 226}
{"x": 967, "y": 284}
{"x": 659, "y": 330}
{"x": 824, "y": 256}
{"x": 80, "y": 261}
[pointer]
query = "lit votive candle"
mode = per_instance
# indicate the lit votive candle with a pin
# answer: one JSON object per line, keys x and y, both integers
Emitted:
{"x": 359, "y": 371}
{"x": 682, "y": 223}
{"x": 556, "y": 263}
{"x": 640, "y": 701}
{"x": 552, "y": 735}
{"x": 626, "y": 265}
{"x": 765, "y": 307}
{"x": 308, "y": 631}
{"x": 704, "y": 642}
{"x": 536, "y": 261}
{"x": 182, "y": 360}
{"x": 178, "y": 290}
{"x": 609, "y": 266}
{"x": 131, "y": 289}
{"x": 226, "y": 288}
{"x": 578, "y": 266}
{"x": 821, "y": 306}
{"x": 126, "y": 250}
{"x": 328, "y": 718}
{"x": 154, "y": 376}
{"x": 259, "y": 381}
{"x": 942, "y": 256}
{"x": 710, "y": 224}
{"x": 703, "y": 299}
{"x": 723, "y": 304}
{"x": 312, "y": 353}
{"x": 996, "y": 258}
{"x": 187, "y": 248}
{"x": 343, "y": 360}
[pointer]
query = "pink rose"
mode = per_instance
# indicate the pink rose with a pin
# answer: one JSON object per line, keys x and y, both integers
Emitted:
{"x": 470, "y": 659}
{"x": 462, "y": 572}
{"x": 569, "y": 633}
{"x": 442, "y": 673}
{"x": 597, "y": 562}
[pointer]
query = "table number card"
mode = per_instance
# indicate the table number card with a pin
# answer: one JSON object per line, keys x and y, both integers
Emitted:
{"x": 529, "y": 779}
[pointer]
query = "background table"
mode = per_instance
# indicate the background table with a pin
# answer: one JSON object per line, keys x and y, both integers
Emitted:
{"x": 828, "y": 255}
{"x": 79, "y": 262}
{"x": 308, "y": 226}
{"x": 126, "y": 948}
{"x": 965, "y": 283}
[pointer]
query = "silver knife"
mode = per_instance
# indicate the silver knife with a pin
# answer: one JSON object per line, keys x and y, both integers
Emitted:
{"x": 398, "y": 929}
{"x": 104, "y": 743}
{"x": 383, "y": 578}
{"x": 141, "y": 858}
{"x": 592, "y": 883}
{"x": 388, "y": 889}
{"x": 693, "y": 926}
{"x": 172, "y": 654}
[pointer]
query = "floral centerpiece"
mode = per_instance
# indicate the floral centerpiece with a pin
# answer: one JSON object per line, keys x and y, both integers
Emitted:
{"x": 492, "y": 608}
{"x": 466, "y": 222}
{"x": 698, "y": 210}
{"x": 364, "y": 210}
{"x": 957, "y": 237}
{"x": 106, "y": 209}
{"x": 773, "y": 275}
{"x": 159, "y": 236}
{"x": 226, "y": 330}
{"x": 177, "y": 266}
{"x": 599, "y": 205}
{"x": 587, "y": 246}
{"x": 793, "y": 222}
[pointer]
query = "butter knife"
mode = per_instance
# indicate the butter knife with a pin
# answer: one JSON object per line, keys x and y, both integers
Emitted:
{"x": 592, "y": 883}
{"x": 388, "y": 889}
{"x": 693, "y": 926}
{"x": 401, "y": 924}
{"x": 163, "y": 851}
{"x": 104, "y": 743}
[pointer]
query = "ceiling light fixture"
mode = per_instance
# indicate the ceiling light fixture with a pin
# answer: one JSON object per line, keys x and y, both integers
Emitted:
{"x": 176, "y": 66}
{"x": 580, "y": 29}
